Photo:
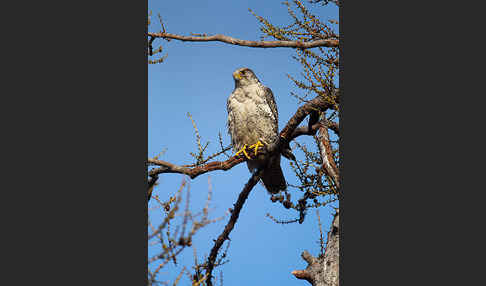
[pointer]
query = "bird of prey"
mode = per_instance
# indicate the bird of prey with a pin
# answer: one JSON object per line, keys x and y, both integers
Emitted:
{"x": 252, "y": 122}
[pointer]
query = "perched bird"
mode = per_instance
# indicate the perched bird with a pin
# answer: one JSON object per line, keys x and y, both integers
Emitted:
{"x": 252, "y": 122}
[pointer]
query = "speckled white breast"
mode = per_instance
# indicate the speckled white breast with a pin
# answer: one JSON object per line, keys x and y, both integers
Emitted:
{"x": 249, "y": 117}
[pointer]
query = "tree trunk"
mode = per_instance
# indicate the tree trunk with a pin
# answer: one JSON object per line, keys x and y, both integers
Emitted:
{"x": 324, "y": 270}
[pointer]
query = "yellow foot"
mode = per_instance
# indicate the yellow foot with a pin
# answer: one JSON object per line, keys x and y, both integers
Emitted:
{"x": 243, "y": 150}
{"x": 256, "y": 146}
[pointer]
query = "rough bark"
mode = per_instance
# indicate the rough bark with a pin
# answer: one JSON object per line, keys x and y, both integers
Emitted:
{"x": 323, "y": 270}
{"x": 246, "y": 43}
{"x": 328, "y": 164}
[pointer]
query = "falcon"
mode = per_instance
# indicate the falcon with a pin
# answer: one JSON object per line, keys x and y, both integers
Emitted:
{"x": 252, "y": 123}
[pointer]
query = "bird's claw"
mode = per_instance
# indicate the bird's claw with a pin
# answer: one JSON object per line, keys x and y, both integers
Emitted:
{"x": 243, "y": 150}
{"x": 256, "y": 146}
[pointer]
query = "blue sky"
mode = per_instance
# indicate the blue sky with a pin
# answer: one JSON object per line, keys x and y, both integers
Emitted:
{"x": 197, "y": 78}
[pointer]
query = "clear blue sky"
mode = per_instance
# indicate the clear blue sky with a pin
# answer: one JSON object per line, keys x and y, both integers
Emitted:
{"x": 197, "y": 78}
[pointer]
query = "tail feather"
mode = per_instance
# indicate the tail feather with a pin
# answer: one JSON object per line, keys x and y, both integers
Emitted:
{"x": 273, "y": 178}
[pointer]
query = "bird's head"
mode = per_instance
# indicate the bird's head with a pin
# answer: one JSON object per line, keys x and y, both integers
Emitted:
{"x": 244, "y": 76}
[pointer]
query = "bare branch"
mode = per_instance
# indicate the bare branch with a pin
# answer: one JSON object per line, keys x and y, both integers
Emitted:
{"x": 318, "y": 103}
{"x": 325, "y": 2}
{"x": 334, "y": 126}
{"x": 254, "y": 44}
{"x": 288, "y": 133}
{"x": 151, "y": 184}
{"x": 151, "y": 52}
{"x": 305, "y": 130}
{"x": 171, "y": 243}
{"x": 302, "y": 274}
{"x": 321, "y": 237}
{"x": 328, "y": 164}
{"x": 167, "y": 167}
{"x": 231, "y": 223}
{"x": 308, "y": 258}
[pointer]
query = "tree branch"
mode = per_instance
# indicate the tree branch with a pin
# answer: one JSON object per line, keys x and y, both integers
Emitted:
{"x": 328, "y": 164}
{"x": 334, "y": 126}
{"x": 231, "y": 223}
{"x": 254, "y": 44}
{"x": 195, "y": 171}
{"x": 308, "y": 257}
{"x": 288, "y": 133}
{"x": 302, "y": 274}
{"x": 151, "y": 184}
{"x": 305, "y": 130}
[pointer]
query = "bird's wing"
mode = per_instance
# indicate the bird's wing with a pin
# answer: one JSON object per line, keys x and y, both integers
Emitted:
{"x": 271, "y": 102}
{"x": 229, "y": 123}
{"x": 286, "y": 152}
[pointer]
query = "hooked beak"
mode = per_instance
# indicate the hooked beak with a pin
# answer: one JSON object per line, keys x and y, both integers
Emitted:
{"x": 237, "y": 75}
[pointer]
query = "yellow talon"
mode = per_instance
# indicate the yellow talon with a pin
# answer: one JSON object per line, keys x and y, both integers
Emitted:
{"x": 244, "y": 152}
{"x": 256, "y": 146}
